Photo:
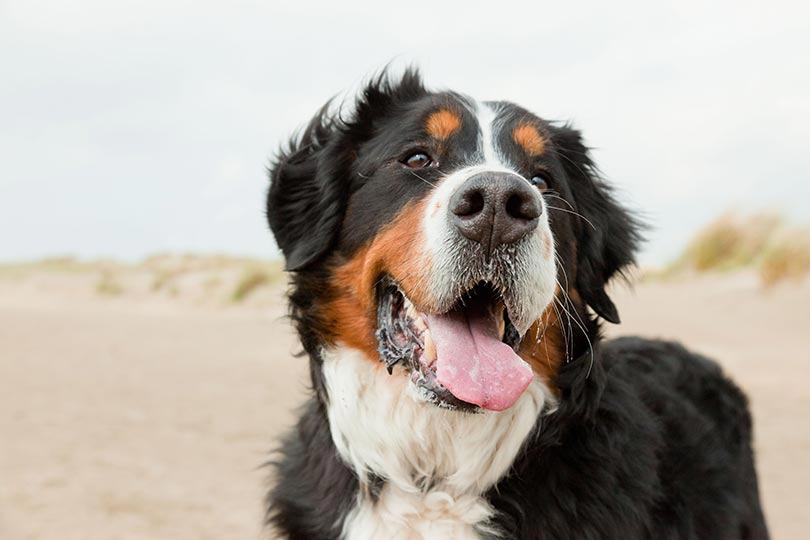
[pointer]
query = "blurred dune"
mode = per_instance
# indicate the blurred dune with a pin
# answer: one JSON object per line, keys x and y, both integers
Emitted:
{"x": 193, "y": 280}
{"x": 140, "y": 401}
{"x": 765, "y": 242}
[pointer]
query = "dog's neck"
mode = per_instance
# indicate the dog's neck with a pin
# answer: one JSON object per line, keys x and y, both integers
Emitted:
{"x": 383, "y": 431}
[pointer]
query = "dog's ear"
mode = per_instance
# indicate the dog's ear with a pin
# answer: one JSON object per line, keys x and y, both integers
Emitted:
{"x": 310, "y": 181}
{"x": 608, "y": 236}
{"x": 307, "y": 193}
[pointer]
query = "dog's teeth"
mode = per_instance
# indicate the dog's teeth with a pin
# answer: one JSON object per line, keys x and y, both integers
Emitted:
{"x": 430, "y": 349}
{"x": 501, "y": 326}
{"x": 410, "y": 310}
{"x": 419, "y": 323}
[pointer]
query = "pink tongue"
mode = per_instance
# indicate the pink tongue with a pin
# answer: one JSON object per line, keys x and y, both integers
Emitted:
{"x": 473, "y": 363}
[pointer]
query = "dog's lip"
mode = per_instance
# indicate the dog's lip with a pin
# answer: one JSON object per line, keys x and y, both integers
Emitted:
{"x": 420, "y": 314}
{"x": 503, "y": 302}
{"x": 404, "y": 338}
{"x": 421, "y": 318}
{"x": 426, "y": 305}
{"x": 470, "y": 355}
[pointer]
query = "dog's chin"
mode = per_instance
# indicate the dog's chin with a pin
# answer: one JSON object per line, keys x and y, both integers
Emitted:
{"x": 463, "y": 359}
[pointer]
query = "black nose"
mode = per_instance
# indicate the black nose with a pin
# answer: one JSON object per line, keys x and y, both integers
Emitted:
{"x": 494, "y": 208}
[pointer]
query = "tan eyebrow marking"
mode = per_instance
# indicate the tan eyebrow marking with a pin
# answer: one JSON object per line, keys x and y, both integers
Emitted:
{"x": 442, "y": 124}
{"x": 527, "y": 136}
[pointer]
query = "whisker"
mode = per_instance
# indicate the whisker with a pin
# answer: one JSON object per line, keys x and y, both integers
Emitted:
{"x": 422, "y": 179}
{"x": 578, "y": 321}
{"x": 571, "y": 161}
{"x": 574, "y": 213}
{"x": 554, "y": 305}
{"x": 585, "y": 334}
{"x": 554, "y": 195}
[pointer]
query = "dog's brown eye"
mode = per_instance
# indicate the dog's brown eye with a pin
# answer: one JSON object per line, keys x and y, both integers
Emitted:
{"x": 418, "y": 160}
{"x": 540, "y": 182}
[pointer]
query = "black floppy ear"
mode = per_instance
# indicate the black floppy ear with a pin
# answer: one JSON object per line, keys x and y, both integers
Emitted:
{"x": 307, "y": 193}
{"x": 608, "y": 240}
{"x": 309, "y": 182}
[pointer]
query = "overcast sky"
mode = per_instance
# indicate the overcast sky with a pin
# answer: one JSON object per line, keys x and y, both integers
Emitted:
{"x": 129, "y": 128}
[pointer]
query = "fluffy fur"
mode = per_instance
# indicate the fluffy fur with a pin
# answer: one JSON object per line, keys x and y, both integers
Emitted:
{"x": 628, "y": 438}
{"x": 437, "y": 463}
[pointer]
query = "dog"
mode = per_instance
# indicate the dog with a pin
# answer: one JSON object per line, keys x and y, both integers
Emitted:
{"x": 448, "y": 260}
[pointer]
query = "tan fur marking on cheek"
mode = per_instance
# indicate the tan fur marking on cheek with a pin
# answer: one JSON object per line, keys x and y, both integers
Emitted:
{"x": 351, "y": 315}
{"x": 442, "y": 124}
{"x": 527, "y": 136}
{"x": 543, "y": 347}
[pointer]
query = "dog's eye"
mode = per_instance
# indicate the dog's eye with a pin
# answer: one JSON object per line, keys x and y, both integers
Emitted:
{"x": 418, "y": 160}
{"x": 539, "y": 181}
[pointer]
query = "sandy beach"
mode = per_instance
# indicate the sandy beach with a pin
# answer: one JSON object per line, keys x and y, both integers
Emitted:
{"x": 136, "y": 414}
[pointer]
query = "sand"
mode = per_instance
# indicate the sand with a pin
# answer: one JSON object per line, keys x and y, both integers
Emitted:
{"x": 137, "y": 415}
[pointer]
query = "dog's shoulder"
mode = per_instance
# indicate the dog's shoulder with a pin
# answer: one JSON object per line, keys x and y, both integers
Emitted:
{"x": 705, "y": 464}
{"x": 313, "y": 490}
{"x": 666, "y": 374}
{"x": 667, "y": 448}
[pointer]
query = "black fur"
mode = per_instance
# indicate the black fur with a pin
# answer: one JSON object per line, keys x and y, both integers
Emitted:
{"x": 657, "y": 447}
{"x": 650, "y": 441}
{"x": 609, "y": 239}
{"x": 314, "y": 489}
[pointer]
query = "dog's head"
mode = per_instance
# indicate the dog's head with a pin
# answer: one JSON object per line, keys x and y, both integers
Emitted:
{"x": 452, "y": 242}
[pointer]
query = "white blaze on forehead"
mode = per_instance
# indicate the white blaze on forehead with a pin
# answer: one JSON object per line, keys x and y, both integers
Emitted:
{"x": 487, "y": 116}
{"x": 533, "y": 267}
{"x": 487, "y": 158}
{"x": 490, "y": 156}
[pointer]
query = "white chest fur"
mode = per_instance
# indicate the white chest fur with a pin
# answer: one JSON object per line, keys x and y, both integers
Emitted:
{"x": 436, "y": 463}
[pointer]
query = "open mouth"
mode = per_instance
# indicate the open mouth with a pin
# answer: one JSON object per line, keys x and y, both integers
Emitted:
{"x": 462, "y": 359}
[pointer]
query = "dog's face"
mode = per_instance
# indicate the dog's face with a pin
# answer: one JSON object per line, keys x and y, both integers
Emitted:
{"x": 453, "y": 242}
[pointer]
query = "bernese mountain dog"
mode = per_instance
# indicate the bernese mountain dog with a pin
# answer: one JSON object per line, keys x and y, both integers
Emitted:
{"x": 448, "y": 261}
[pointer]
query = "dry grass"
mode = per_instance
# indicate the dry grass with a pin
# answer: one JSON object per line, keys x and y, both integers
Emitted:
{"x": 253, "y": 279}
{"x": 730, "y": 242}
{"x": 187, "y": 262}
{"x": 163, "y": 277}
{"x": 787, "y": 257}
{"x": 61, "y": 264}
{"x": 764, "y": 241}
{"x": 108, "y": 284}
{"x": 200, "y": 279}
